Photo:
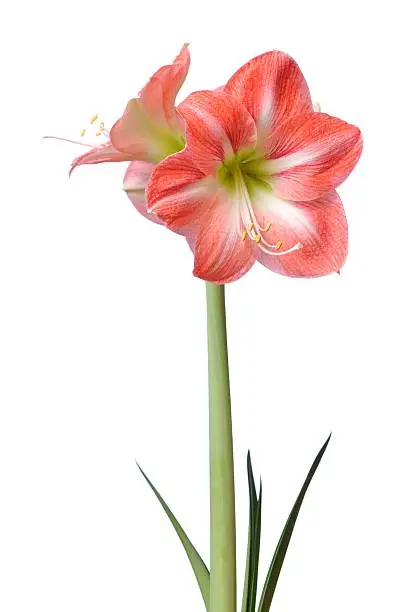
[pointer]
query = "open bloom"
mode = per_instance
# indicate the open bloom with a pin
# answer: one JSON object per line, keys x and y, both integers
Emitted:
{"x": 258, "y": 176}
{"x": 149, "y": 130}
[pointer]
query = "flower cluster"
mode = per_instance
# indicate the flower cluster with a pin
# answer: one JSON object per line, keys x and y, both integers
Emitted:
{"x": 245, "y": 173}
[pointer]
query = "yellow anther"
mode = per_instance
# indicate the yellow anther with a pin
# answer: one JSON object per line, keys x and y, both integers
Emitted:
{"x": 278, "y": 245}
{"x": 268, "y": 226}
{"x": 82, "y": 132}
{"x": 98, "y": 133}
{"x": 101, "y": 128}
{"x": 244, "y": 235}
{"x": 257, "y": 238}
{"x": 94, "y": 118}
{"x": 251, "y": 227}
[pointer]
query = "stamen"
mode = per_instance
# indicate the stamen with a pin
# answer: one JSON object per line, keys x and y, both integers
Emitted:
{"x": 82, "y": 133}
{"x": 296, "y": 247}
{"x": 266, "y": 228}
{"x": 101, "y": 128}
{"x": 250, "y": 223}
{"x": 94, "y": 119}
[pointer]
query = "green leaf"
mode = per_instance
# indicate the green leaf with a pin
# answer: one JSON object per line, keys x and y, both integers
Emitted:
{"x": 280, "y": 552}
{"x": 201, "y": 572}
{"x": 251, "y": 534}
{"x": 254, "y": 537}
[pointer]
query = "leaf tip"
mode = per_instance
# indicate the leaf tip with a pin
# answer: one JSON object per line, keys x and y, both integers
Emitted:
{"x": 140, "y": 469}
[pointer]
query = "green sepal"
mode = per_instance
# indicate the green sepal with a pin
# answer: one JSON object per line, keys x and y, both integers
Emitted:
{"x": 254, "y": 537}
{"x": 199, "y": 567}
{"x": 280, "y": 552}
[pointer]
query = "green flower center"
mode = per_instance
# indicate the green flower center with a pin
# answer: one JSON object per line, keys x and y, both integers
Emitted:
{"x": 244, "y": 166}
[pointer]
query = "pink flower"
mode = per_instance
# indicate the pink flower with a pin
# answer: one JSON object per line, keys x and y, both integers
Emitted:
{"x": 257, "y": 178}
{"x": 149, "y": 130}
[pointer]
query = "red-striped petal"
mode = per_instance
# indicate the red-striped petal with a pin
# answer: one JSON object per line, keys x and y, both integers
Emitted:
{"x": 221, "y": 255}
{"x": 178, "y": 191}
{"x": 319, "y": 226}
{"x": 272, "y": 88}
{"x": 217, "y": 127}
{"x": 312, "y": 154}
{"x": 191, "y": 203}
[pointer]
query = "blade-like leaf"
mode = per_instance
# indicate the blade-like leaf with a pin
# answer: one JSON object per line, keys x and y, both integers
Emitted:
{"x": 201, "y": 572}
{"x": 254, "y": 536}
{"x": 251, "y": 533}
{"x": 280, "y": 552}
{"x": 255, "y": 558}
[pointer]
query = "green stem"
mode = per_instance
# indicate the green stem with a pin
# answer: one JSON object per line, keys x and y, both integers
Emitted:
{"x": 222, "y": 496}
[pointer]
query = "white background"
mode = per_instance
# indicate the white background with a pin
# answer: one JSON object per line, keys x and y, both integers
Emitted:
{"x": 103, "y": 326}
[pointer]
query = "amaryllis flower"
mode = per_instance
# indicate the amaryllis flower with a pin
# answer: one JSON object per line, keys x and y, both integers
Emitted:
{"x": 258, "y": 176}
{"x": 149, "y": 130}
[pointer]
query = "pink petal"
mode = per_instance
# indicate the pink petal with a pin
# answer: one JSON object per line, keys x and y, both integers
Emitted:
{"x": 150, "y": 129}
{"x": 98, "y": 155}
{"x": 218, "y": 127}
{"x": 319, "y": 226}
{"x": 135, "y": 180}
{"x": 159, "y": 94}
{"x": 178, "y": 191}
{"x": 312, "y": 154}
{"x": 221, "y": 255}
{"x": 272, "y": 88}
{"x": 131, "y": 134}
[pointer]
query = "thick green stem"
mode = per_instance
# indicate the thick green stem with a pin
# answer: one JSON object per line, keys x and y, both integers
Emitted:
{"x": 222, "y": 496}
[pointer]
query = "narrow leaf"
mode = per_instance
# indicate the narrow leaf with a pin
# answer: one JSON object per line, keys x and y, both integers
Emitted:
{"x": 244, "y": 607}
{"x": 280, "y": 552}
{"x": 251, "y": 529}
{"x": 201, "y": 572}
{"x": 255, "y": 557}
{"x": 254, "y": 535}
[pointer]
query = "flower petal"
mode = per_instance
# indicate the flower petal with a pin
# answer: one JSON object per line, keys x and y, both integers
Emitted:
{"x": 221, "y": 255}
{"x": 217, "y": 127}
{"x": 141, "y": 137}
{"x": 319, "y": 226}
{"x": 312, "y": 154}
{"x": 135, "y": 180}
{"x": 98, "y": 155}
{"x": 131, "y": 134}
{"x": 150, "y": 128}
{"x": 159, "y": 94}
{"x": 192, "y": 204}
{"x": 178, "y": 191}
{"x": 272, "y": 88}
